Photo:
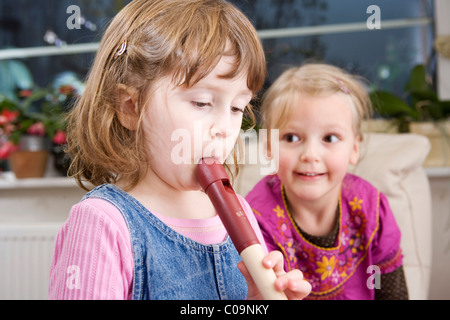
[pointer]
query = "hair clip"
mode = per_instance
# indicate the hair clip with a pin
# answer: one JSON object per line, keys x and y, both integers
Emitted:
{"x": 342, "y": 86}
{"x": 121, "y": 50}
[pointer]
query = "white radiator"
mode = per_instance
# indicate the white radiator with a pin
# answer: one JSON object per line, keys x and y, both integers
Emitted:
{"x": 25, "y": 256}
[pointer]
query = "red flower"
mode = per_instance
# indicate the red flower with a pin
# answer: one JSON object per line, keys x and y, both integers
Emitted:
{"x": 8, "y": 128}
{"x": 25, "y": 93}
{"x": 67, "y": 89}
{"x": 6, "y": 149}
{"x": 60, "y": 137}
{"x": 37, "y": 129}
{"x": 8, "y": 116}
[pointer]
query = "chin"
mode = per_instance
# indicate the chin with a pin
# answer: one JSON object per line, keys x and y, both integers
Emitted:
{"x": 308, "y": 193}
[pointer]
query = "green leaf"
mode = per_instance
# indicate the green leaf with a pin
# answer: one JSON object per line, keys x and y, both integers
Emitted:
{"x": 6, "y": 103}
{"x": 37, "y": 94}
{"x": 387, "y": 104}
{"x": 432, "y": 110}
{"x": 418, "y": 80}
{"x": 424, "y": 95}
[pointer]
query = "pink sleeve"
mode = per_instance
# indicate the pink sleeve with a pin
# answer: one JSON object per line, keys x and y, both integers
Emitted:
{"x": 253, "y": 222}
{"x": 93, "y": 256}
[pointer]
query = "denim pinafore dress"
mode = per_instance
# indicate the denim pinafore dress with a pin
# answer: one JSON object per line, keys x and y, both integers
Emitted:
{"x": 170, "y": 266}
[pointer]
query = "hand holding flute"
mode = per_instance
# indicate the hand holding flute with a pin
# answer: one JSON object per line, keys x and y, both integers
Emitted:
{"x": 266, "y": 272}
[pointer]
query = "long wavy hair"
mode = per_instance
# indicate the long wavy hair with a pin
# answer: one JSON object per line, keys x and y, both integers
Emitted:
{"x": 148, "y": 40}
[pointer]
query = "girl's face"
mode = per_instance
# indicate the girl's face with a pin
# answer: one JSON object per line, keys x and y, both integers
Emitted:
{"x": 183, "y": 125}
{"x": 316, "y": 148}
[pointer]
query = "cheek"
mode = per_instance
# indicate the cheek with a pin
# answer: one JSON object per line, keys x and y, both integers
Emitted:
{"x": 235, "y": 132}
{"x": 160, "y": 140}
{"x": 286, "y": 160}
{"x": 338, "y": 162}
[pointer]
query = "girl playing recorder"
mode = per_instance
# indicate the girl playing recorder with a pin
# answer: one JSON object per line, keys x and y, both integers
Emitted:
{"x": 147, "y": 230}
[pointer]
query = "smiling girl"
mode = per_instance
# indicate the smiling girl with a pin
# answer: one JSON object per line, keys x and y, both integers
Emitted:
{"x": 331, "y": 225}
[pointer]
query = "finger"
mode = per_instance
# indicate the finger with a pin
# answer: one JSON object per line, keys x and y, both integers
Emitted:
{"x": 295, "y": 275}
{"x": 289, "y": 280}
{"x": 274, "y": 260}
{"x": 294, "y": 289}
{"x": 303, "y": 288}
{"x": 293, "y": 285}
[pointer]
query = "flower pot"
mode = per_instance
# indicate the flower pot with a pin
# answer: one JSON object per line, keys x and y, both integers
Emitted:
{"x": 439, "y": 135}
{"x": 34, "y": 143}
{"x": 28, "y": 164}
{"x": 30, "y": 161}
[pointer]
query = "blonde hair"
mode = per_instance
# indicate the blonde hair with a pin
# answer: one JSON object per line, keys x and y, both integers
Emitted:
{"x": 313, "y": 79}
{"x": 148, "y": 40}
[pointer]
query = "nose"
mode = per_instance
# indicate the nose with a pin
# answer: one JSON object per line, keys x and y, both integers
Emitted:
{"x": 217, "y": 131}
{"x": 221, "y": 125}
{"x": 220, "y": 136}
{"x": 309, "y": 153}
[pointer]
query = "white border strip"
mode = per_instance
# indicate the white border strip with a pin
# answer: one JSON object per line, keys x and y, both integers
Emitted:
{"x": 263, "y": 34}
{"x": 341, "y": 28}
{"x": 47, "y": 51}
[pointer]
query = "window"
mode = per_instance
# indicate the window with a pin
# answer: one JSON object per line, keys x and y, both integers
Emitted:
{"x": 292, "y": 31}
{"x": 337, "y": 32}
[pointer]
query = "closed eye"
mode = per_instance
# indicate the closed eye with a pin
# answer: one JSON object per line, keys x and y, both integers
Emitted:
{"x": 237, "y": 109}
{"x": 199, "y": 104}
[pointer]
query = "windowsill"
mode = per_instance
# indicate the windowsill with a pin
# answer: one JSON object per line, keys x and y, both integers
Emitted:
{"x": 8, "y": 181}
{"x": 437, "y": 172}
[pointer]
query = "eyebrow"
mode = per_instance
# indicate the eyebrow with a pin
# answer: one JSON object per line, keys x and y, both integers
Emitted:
{"x": 209, "y": 86}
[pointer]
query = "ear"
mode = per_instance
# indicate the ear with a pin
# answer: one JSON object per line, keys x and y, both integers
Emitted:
{"x": 355, "y": 151}
{"x": 127, "y": 108}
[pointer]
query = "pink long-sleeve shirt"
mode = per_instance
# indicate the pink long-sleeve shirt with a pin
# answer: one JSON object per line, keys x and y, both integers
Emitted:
{"x": 93, "y": 256}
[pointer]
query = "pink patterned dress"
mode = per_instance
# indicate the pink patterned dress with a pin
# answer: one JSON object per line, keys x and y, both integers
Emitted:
{"x": 367, "y": 243}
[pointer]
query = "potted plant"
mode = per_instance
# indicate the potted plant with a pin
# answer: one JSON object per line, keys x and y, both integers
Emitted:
{"x": 419, "y": 111}
{"x": 32, "y": 126}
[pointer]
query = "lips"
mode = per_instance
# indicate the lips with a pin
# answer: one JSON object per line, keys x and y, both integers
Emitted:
{"x": 310, "y": 175}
